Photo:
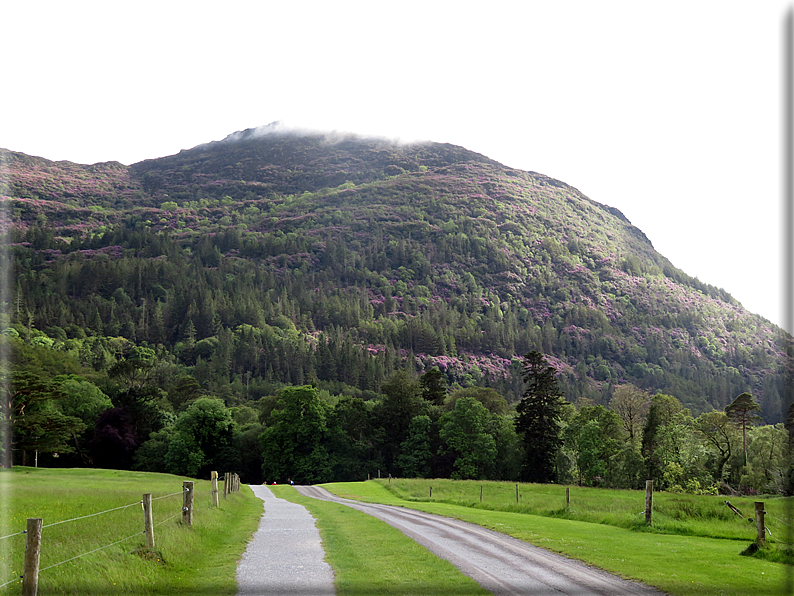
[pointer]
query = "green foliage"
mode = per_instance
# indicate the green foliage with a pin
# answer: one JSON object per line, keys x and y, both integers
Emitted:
{"x": 465, "y": 431}
{"x": 36, "y": 421}
{"x": 433, "y": 386}
{"x": 415, "y": 451}
{"x": 743, "y": 412}
{"x": 294, "y": 440}
{"x": 539, "y": 416}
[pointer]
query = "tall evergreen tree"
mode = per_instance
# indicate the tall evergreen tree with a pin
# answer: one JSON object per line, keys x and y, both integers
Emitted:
{"x": 539, "y": 415}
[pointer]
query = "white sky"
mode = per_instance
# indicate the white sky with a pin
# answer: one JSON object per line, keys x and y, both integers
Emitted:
{"x": 671, "y": 112}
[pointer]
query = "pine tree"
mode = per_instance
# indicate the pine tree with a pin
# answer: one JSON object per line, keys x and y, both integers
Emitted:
{"x": 539, "y": 414}
{"x": 743, "y": 412}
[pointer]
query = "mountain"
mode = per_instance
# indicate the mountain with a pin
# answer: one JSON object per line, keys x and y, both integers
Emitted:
{"x": 283, "y": 256}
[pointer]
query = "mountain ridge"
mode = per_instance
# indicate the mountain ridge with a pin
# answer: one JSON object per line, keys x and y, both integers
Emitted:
{"x": 426, "y": 250}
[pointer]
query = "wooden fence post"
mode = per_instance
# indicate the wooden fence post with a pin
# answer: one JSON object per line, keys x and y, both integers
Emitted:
{"x": 648, "y": 501}
{"x": 30, "y": 579}
{"x": 481, "y": 493}
{"x": 225, "y": 484}
{"x": 760, "y": 527}
{"x": 148, "y": 526}
{"x": 567, "y": 497}
{"x": 516, "y": 494}
{"x": 214, "y": 477}
{"x": 187, "y": 502}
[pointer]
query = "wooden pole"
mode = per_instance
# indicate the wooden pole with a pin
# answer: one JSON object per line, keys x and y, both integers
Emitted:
{"x": 30, "y": 578}
{"x": 516, "y": 494}
{"x": 481, "y": 493}
{"x": 225, "y": 484}
{"x": 760, "y": 527}
{"x": 648, "y": 501}
{"x": 187, "y": 502}
{"x": 214, "y": 477}
{"x": 567, "y": 496}
{"x": 148, "y": 526}
{"x": 431, "y": 492}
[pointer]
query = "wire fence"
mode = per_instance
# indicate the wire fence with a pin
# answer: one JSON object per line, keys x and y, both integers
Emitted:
{"x": 181, "y": 511}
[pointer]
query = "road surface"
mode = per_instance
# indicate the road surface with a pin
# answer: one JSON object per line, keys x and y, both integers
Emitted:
{"x": 285, "y": 556}
{"x": 499, "y": 563}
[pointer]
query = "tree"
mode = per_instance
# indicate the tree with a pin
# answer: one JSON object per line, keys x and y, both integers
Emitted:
{"x": 37, "y": 423}
{"x": 433, "y": 387}
{"x": 465, "y": 431}
{"x": 718, "y": 433}
{"x": 631, "y": 404}
{"x": 208, "y": 430}
{"x": 402, "y": 401}
{"x": 490, "y": 398}
{"x": 539, "y": 416}
{"x": 415, "y": 451}
{"x": 767, "y": 459}
{"x": 661, "y": 411}
{"x": 84, "y": 400}
{"x": 353, "y": 438}
{"x": 115, "y": 440}
{"x": 743, "y": 412}
{"x": 294, "y": 442}
{"x": 594, "y": 434}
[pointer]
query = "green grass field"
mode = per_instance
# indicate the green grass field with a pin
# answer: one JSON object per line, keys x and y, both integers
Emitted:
{"x": 678, "y": 554}
{"x": 675, "y": 563}
{"x": 682, "y": 514}
{"x": 200, "y": 559}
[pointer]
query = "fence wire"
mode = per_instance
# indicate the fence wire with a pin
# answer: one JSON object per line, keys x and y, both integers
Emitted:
{"x": 183, "y": 491}
{"x": 91, "y": 551}
{"x": 12, "y": 535}
{"x": 91, "y": 515}
{"x": 19, "y": 578}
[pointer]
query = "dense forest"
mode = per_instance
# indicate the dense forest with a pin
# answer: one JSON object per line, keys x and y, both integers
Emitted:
{"x": 227, "y": 277}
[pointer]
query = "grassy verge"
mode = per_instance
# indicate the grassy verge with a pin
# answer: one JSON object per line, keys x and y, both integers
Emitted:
{"x": 370, "y": 557}
{"x": 201, "y": 559}
{"x": 679, "y": 565}
{"x": 682, "y": 514}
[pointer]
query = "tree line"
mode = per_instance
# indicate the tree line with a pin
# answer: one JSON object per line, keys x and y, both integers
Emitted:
{"x": 141, "y": 413}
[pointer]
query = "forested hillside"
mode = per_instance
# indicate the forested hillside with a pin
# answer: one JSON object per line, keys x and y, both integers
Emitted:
{"x": 273, "y": 259}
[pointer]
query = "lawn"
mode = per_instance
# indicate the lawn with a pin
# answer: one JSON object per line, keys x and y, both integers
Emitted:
{"x": 675, "y": 563}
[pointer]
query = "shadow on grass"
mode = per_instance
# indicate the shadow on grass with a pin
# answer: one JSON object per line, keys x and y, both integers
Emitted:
{"x": 265, "y": 590}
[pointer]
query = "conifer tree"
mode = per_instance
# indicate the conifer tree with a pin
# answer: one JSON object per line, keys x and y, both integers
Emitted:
{"x": 539, "y": 414}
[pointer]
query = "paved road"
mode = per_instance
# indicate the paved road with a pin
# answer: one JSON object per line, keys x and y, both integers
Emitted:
{"x": 499, "y": 563}
{"x": 285, "y": 556}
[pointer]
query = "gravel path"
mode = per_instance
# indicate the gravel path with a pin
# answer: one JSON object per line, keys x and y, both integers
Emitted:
{"x": 499, "y": 563}
{"x": 285, "y": 556}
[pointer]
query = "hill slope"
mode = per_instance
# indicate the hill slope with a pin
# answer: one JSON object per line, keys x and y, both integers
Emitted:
{"x": 279, "y": 256}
